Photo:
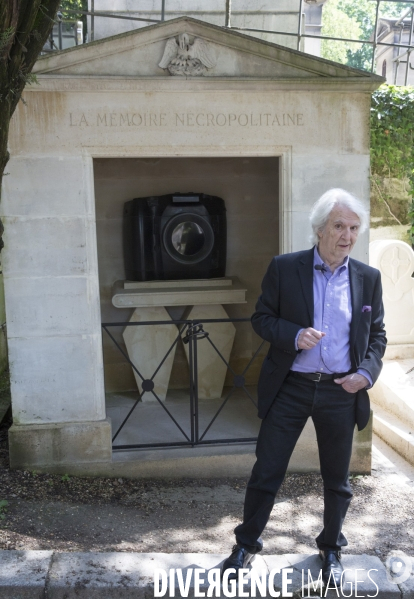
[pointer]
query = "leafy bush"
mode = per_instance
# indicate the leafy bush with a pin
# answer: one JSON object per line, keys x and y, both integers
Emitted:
{"x": 3, "y": 508}
{"x": 392, "y": 132}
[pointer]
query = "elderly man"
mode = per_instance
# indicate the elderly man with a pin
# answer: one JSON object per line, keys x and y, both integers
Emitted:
{"x": 322, "y": 314}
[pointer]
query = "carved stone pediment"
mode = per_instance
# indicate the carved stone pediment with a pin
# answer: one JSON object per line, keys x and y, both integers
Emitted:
{"x": 187, "y": 48}
{"x": 188, "y": 57}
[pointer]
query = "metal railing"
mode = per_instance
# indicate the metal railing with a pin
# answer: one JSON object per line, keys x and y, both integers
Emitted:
{"x": 299, "y": 33}
{"x": 192, "y": 333}
{"x": 63, "y": 30}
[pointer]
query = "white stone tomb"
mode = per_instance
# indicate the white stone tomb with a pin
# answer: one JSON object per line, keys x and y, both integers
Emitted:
{"x": 395, "y": 260}
{"x": 104, "y": 105}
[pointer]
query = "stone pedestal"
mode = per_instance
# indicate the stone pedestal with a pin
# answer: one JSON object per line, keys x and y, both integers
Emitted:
{"x": 147, "y": 345}
{"x": 211, "y": 368}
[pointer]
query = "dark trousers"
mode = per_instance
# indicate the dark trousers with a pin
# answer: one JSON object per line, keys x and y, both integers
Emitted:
{"x": 333, "y": 412}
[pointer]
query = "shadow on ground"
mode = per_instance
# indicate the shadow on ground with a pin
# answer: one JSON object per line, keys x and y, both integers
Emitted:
{"x": 65, "y": 513}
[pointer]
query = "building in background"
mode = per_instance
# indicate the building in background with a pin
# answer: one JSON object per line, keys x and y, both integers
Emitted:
{"x": 312, "y": 25}
{"x": 391, "y": 61}
{"x": 258, "y": 19}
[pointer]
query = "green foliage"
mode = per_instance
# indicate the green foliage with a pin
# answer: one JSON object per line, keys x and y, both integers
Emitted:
{"x": 65, "y": 478}
{"x": 5, "y": 386}
{"x": 392, "y": 147}
{"x": 354, "y": 19}
{"x": 336, "y": 23}
{"x": 66, "y": 5}
{"x": 5, "y": 37}
{"x": 3, "y": 508}
{"x": 71, "y": 5}
{"x": 394, "y": 9}
{"x": 363, "y": 12}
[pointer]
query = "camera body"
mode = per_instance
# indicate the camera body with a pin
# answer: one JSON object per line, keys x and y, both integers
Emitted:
{"x": 175, "y": 236}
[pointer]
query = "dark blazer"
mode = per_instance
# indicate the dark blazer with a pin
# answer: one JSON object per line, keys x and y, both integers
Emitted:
{"x": 286, "y": 306}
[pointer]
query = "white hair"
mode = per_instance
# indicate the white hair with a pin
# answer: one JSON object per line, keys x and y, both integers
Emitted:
{"x": 323, "y": 207}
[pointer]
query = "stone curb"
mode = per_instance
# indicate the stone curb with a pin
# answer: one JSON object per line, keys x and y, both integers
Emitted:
{"x": 51, "y": 575}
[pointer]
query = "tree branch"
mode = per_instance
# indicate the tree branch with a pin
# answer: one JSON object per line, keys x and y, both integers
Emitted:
{"x": 384, "y": 200}
{"x": 36, "y": 19}
{"x": 9, "y": 16}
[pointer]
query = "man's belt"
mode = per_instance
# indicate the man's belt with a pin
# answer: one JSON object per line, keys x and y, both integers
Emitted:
{"x": 317, "y": 377}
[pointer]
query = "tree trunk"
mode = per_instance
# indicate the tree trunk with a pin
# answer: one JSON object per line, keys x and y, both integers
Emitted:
{"x": 24, "y": 28}
{"x": 4, "y": 153}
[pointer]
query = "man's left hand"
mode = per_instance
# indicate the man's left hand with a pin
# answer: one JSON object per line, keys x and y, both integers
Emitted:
{"x": 353, "y": 382}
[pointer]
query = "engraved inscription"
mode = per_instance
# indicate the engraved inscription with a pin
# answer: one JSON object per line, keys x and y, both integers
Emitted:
{"x": 78, "y": 121}
{"x": 207, "y": 119}
{"x": 131, "y": 119}
{"x": 187, "y": 119}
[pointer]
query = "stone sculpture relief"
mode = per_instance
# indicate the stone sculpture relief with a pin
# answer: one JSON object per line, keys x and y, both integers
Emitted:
{"x": 187, "y": 59}
{"x": 395, "y": 260}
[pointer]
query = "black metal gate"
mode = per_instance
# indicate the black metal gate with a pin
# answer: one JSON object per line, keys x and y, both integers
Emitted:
{"x": 197, "y": 424}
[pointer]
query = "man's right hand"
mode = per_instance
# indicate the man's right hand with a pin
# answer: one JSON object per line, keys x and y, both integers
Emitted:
{"x": 309, "y": 337}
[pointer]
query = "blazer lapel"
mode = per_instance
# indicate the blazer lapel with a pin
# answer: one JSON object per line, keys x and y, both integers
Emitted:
{"x": 305, "y": 270}
{"x": 356, "y": 281}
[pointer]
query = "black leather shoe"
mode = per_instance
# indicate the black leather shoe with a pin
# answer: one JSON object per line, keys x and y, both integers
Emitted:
{"x": 331, "y": 568}
{"x": 239, "y": 558}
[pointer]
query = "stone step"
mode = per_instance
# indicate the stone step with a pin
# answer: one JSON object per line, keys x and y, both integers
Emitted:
{"x": 39, "y": 574}
{"x": 394, "y": 390}
{"x": 397, "y": 433}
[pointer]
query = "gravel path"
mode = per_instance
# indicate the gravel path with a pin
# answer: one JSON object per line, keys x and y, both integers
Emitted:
{"x": 78, "y": 514}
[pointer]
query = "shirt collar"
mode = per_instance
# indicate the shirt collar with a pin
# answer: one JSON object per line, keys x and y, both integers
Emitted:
{"x": 318, "y": 260}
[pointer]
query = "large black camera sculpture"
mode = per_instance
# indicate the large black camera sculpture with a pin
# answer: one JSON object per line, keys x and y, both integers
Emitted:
{"x": 176, "y": 236}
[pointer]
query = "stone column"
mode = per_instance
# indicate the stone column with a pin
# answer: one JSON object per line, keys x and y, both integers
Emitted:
{"x": 211, "y": 367}
{"x": 147, "y": 345}
{"x": 53, "y": 313}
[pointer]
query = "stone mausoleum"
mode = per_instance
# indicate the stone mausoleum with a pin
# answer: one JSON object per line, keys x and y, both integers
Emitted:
{"x": 266, "y": 128}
